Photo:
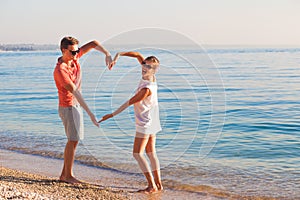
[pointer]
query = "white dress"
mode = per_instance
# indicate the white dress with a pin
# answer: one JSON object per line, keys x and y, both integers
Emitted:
{"x": 147, "y": 111}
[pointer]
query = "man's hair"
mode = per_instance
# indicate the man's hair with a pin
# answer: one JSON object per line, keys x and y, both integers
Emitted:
{"x": 66, "y": 41}
{"x": 152, "y": 59}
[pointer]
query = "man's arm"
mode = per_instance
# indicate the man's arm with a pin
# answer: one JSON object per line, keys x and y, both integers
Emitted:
{"x": 141, "y": 95}
{"x": 73, "y": 89}
{"x": 96, "y": 45}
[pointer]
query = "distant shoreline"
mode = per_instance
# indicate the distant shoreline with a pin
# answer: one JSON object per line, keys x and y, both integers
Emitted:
{"x": 53, "y": 47}
{"x": 28, "y": 47}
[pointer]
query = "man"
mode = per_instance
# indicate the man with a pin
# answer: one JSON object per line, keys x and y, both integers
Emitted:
{"x": 67, "y": 76}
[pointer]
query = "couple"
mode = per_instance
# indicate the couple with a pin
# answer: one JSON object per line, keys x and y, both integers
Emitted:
{"x": 67, "y": 76}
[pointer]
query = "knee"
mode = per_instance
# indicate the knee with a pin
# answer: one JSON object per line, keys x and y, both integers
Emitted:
{"x": 151, "y": 155}
{"x": 137, "y": 156}
{"x": 72, "y": 143}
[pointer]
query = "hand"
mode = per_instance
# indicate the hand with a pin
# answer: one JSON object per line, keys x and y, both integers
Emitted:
{"x": 108, "y": 61}
{"x": 94, "y": 120}
{"x": 105, "y": 117}
{"x": 114, "y": 61}
{"x": 111, "y": 65}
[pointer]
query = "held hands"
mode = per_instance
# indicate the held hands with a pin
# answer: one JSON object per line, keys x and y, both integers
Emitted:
{"x": 114, "y": 61}
{"x": 105, "y": 117}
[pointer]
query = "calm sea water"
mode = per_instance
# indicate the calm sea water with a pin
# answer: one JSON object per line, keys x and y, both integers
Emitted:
{"x": 230, "y": 116}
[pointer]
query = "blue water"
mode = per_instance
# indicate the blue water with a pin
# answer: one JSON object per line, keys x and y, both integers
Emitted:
{"x": 230, "y": 115}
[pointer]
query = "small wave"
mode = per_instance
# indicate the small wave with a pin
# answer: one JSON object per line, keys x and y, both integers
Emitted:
{"x": 212, "y": 191}
{"x": 4, "y": 74}
{"x": 83, "y": 159}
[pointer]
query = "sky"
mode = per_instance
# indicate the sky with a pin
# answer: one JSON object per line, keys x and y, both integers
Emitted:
{"x": 208, "y": 22}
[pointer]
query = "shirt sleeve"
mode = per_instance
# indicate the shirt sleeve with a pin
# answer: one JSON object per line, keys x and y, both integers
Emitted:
{"x": 62, "y": 76}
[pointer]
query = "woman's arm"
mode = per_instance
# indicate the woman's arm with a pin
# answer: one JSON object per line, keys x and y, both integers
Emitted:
{"x": 141, "y": 95}
{"x": 133, "y": 54}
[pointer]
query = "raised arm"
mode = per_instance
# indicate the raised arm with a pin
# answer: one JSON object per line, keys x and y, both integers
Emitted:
{"x": 141, "y": 95}
{"x": 132, "y": 54}
{"x": 96, "y": 45}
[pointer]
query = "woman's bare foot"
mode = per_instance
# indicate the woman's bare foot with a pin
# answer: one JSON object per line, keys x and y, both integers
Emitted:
{"x": 148, "y": 190}
{"x": 71, "y": 180}
{"x": 159, "y": 187}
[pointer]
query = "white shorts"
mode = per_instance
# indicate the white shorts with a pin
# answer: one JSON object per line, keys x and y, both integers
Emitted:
{"x": 143, "y": 135}
{"x": 72, "y": 118}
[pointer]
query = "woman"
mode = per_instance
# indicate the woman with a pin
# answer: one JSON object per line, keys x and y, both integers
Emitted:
{"x": 147, "y": 120}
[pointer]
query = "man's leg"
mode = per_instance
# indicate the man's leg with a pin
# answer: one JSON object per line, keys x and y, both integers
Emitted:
{"x": 69, "y": 156}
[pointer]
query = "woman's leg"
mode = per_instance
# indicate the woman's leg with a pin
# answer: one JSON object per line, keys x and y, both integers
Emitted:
{"x": 155, "y": 166}
{"x": 140, "y": 142}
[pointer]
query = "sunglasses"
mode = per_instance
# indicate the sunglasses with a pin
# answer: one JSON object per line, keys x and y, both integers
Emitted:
{"x": 74, "y": 52}
{"x": 147, "y": 66}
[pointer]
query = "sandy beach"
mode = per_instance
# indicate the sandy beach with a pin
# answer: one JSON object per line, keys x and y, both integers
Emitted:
{"x": 20, "y": 185}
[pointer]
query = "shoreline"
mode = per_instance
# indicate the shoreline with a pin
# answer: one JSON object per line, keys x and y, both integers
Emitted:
{"x": 27, "y": 176}
{"x": 24, "y": 174}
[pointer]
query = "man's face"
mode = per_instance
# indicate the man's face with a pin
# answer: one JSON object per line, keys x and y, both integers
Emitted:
{"x": 71, "y": 52}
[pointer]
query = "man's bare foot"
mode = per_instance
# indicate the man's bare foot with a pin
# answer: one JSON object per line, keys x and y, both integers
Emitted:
{"x": 71, "y": 180}
{"x": 148, "y": 190}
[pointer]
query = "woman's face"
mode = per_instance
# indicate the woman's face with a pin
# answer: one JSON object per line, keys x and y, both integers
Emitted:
{"x": 148, "y": 69}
